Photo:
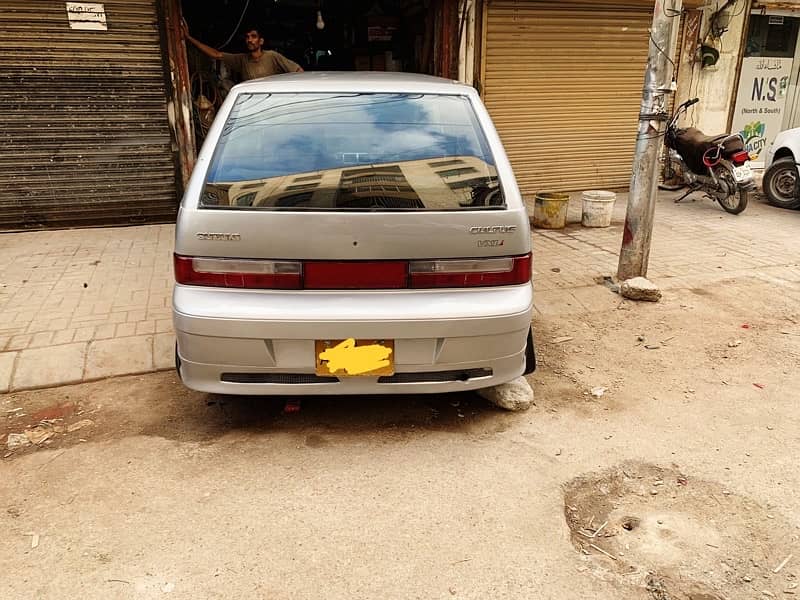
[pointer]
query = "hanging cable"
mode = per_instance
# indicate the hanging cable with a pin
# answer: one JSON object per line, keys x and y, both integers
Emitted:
{"x": 670, "y": 12}
{"x": 715, "y": 30}
{"x": 236, "y": 29}
{"x": 652, "y": 39}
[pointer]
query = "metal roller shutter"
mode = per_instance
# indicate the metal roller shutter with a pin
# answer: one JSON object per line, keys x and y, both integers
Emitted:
{"x": 84, "y": 132}
{"x": 563, "y": 83}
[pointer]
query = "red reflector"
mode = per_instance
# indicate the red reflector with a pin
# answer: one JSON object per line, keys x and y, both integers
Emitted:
{"x": 740, "y": 157}
{"x": 232, "y": 273}
{"x": 518, "y": 272}
{"x": 350, "y": 275}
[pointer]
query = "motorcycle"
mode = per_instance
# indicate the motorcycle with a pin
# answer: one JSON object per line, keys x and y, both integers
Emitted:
{"x": 719, "y": 166}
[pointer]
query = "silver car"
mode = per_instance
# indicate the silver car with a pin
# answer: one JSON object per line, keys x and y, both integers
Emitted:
{"x": 352, "y": 234}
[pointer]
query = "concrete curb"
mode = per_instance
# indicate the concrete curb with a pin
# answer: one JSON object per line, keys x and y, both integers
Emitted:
{"x": 52, "y": 366}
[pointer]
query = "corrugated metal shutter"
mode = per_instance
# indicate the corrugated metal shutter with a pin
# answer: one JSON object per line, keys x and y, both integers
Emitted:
{"x": 84, "y": 134}
{"x": 563, "y": 83}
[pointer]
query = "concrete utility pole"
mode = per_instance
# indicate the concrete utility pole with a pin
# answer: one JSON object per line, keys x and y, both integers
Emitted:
{"x": 635, "y": 252}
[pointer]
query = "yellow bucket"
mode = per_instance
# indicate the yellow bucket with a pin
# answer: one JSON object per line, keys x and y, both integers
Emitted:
{"x": 550, "y": 210}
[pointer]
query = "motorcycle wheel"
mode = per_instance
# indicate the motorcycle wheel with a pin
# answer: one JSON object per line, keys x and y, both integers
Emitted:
{"x": 671, "y": 176}
{"x": 736, "y": 202}
{"x": 780, "y": 183}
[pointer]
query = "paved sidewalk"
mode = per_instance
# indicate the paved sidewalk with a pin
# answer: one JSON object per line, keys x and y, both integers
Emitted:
{"x": 695, "y": 244}
{"x": 85, "y": 304}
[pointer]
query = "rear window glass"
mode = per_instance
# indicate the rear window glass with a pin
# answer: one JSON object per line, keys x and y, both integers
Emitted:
{"x": 360, "y": 152}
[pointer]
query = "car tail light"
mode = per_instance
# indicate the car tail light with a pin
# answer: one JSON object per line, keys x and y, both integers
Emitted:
{"x": 479, "y": 272}
{"x": 352, "y": 275}
{"x": 741, "y": 157}
{"x": 238, "y": 273}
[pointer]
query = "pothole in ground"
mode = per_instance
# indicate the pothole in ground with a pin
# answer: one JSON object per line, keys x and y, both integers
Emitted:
{"x": 680, "y": 538}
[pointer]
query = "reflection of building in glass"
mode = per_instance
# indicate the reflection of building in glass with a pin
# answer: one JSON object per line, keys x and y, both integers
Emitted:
{"x": 430, "y": 184}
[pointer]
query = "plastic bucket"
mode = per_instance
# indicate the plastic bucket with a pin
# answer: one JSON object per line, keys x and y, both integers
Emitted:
{"x": 550, "y": 210}
{"x": 598, "y": 207}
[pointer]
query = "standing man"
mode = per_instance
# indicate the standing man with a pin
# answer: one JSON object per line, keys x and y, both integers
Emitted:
{"x": 256, "y": 63}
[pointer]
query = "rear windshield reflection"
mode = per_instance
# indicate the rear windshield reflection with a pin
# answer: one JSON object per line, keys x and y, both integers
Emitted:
{"x": 352, "y": 152}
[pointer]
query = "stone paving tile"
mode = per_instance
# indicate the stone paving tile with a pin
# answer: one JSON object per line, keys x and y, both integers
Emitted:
{"x": 596, "y": 298}
{"x": 64, "y": 336}
{"x": 557, "y": 302}
{"x": 43, "y": 338}
{"x": 6, "y": 370}
{"x": 49, "y": 366}
{"x": 164, "y": 350}
{"x": 124, "y": 356}
{"x": 106, "y": 331}
{"x": 145, "y": 327}
{"x": 125, "y": 329}
{"x": 19, "y": 342}
{"x": 83, "y": 333}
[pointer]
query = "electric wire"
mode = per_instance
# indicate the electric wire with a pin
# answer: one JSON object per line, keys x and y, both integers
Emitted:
{"x": 652, "y": 39}
{"x": 717, "y": 32}
{"x": 670, "y": 12}
{"x": 236, "y": 29}
{"x": 651, "y": 137}
{"x": 741, "y": 10}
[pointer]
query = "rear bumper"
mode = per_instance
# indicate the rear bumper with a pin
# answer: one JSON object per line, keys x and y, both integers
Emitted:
{"x": 242, "y": 342}
{"x": 208, "y": 378}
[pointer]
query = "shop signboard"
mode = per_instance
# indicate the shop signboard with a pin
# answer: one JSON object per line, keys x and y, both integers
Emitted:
{"x": 761, "y": 102}
{"x": 87, "y": 16}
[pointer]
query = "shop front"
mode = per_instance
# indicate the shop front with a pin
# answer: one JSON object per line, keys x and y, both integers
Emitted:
{"x": 563, "y": 83}
{"x": 104, "y": 106}
{"x": 85, "y": 128}
{"x": 767, "y": 99}
{"x": 419, "y": 36}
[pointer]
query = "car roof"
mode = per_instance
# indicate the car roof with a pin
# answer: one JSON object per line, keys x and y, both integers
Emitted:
{"x": 362, "y": 81}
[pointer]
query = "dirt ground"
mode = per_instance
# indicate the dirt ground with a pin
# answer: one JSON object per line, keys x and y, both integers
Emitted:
{"x": 678, "y": 481}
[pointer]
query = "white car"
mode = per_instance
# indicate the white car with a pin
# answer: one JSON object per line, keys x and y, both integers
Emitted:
{"x": 352, "y": 234}
{"x": 780, "y": 177}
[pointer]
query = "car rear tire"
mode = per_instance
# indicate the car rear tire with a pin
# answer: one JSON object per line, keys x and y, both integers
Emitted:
{"x": 178, "y": 362}
{"x": 530, "y": 355}
{"x": 780, "y": 183}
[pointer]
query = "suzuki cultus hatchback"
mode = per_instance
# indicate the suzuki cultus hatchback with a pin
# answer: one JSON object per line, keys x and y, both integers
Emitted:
{"x": 352, "y": 234}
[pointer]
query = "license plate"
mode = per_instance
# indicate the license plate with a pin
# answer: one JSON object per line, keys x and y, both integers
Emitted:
{"x": 742, "y": 173}
{"x": 354, "y": 358}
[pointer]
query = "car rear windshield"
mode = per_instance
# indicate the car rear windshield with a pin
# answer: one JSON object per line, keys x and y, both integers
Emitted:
{"x": 352, "y": 152}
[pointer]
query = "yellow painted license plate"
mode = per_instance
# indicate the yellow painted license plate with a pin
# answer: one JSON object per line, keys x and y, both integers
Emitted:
{"x": 355, "y": 358}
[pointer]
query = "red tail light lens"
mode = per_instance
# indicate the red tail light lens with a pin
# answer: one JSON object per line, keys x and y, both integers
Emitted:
{"x": 480, "y": 272}
{"x": 352, "y": 275}
{"x": 740, "y": 158}
{"x": 355, "y": 275}
{"x": 236, "y": 273}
